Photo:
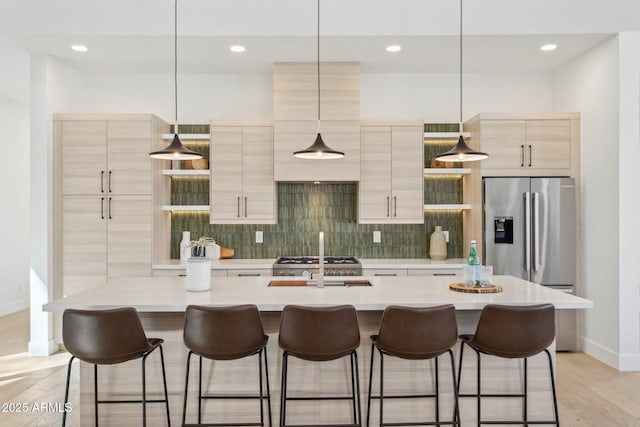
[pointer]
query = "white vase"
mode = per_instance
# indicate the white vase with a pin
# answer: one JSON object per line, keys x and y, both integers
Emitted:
{"x": 198, "y": 274}
{"x": 185, "y": 249}
{"x": 438, "y": 245}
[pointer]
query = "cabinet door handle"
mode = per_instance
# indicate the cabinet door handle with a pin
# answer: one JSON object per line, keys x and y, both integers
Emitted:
{"x": 102, "y": 207}
{"x": 385, "y": 274}
{"x": 102, "y": 181}
{"x": 109, "y": 182}
{"x": 388, "y": 207}
{"x": 395, "y": 206}
{"x": 444, "y": 274}
{"x": 522, "y": 156}
{"x": 529, "y": 155}
{"x": 238, "y": 206}
{"x": 248, "y": 274}
{"x": 109, "y": 208}
{"x": 245, "y": 207}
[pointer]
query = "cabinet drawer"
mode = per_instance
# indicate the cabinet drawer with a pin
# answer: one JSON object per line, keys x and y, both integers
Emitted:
{"x": 435, "y": 272}
{"x": 390, "y": 272}
{"x": 248, "y": 272}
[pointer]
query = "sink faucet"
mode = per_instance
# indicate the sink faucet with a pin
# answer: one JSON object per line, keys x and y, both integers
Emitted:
{"x": 320, "y": 282}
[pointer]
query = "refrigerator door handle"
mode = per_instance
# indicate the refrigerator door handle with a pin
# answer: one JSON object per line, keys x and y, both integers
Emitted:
{"x": 536, "y": 230}
{"x": 527, "y": 231}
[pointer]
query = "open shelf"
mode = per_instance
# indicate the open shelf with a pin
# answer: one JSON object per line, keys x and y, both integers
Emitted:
{"x": 186, "y": 208}
{"x": 447, "y": 171}
{"x": 186, "y": 172}
{"x": 443, "y": 135}
{"x": 453, "y": 207}
{"x": 187, "y": 136}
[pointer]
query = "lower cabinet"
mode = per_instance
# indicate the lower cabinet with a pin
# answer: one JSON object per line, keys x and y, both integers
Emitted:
{"x": 248, "y": 272}
{"x": 102, "y": 237}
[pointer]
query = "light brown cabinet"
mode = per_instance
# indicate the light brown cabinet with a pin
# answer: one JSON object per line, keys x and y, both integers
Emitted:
{"x": 528, "y": 145}
{"x": 103, "y": 204}
{"x": 242, "y": 183}
{"x": 391, "y": 175}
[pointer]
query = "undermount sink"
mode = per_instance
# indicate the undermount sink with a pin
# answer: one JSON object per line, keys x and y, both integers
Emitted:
{"x": 327, "y": 282}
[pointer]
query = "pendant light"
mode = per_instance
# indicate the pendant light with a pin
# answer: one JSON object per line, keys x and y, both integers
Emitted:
{"x": 461, "y": 152}
{"x": 175, "y": 150}
{"x": 318, "y": 150}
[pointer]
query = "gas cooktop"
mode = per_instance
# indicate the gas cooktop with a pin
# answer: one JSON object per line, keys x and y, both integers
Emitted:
{"x": 309, "y": 260}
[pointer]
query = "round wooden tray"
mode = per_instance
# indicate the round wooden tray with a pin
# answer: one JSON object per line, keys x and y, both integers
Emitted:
{"x": 459, "y": 287}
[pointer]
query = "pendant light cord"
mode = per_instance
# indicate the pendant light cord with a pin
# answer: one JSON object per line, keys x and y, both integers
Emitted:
{"x": 318, "y": 64}
{"x": 175, "y": 61}
{"x": 461, "y": 62}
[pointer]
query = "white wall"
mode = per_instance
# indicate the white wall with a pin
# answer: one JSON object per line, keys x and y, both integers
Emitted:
{"x": 435, "y": 98}
{"x": 54, "y": 88}
{"x": 629, "y": 177}
{"x": 14, "y": 181}
{"x": 589, "y": 84}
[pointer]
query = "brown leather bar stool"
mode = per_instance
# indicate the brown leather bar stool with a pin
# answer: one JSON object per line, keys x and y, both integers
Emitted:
{"x": 416, "y": 334}
{"x": 512, "y": 332}
{"x": 320, "y": 334}
{"x": 108, "y": 337}
{"x": 225, "y": 333}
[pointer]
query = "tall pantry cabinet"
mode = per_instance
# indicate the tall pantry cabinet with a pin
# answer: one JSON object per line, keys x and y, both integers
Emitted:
{"x": 103, "y": 190}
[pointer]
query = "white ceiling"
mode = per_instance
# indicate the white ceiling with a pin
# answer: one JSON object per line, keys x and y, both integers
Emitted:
{"x": 137, "y": 35}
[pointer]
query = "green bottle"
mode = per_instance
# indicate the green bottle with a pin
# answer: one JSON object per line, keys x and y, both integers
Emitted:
{"x": 473, "y": 260}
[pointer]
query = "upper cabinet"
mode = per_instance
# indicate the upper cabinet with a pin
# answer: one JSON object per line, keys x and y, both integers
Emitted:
{"x": 528, "y": 144}
{"x": 391, "y": 174}
{"x": 243, "y": 190}
{"x": 295, "y": 111}
{"x": 106, "y": 156}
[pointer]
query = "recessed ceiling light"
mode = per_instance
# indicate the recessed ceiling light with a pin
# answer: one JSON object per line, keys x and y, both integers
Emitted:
{"x": 394, "y": 48}
{"x": 79, "y": 48}
{"x": 548, "y": 47}
{"x": 237, "y": 48}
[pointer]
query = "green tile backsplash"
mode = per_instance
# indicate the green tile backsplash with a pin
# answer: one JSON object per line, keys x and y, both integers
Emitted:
{"x": 304, "y": 209}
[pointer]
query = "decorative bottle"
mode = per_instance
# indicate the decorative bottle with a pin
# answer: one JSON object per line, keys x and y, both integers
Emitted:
{"x": 473, "y": 260}
{"x": 438, "y": 245}
{"x": 185, "y": 250}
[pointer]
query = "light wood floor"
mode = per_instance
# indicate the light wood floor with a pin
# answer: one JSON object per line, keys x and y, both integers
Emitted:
{"x": 590, "y": 393}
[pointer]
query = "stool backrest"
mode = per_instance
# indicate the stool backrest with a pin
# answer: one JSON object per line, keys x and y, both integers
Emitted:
{"x": 418, "y": 332}
{"x": 223, "y": 333}
{"x": 319, "y": 333}
{"x": 515, "y": 331}
{"x": 104, "y": 336}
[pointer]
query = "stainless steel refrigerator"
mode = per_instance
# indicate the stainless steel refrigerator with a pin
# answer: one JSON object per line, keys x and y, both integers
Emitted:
{"x": 529, "y": 232}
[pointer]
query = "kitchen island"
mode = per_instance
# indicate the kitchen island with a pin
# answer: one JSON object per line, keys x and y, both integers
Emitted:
{"x": 161, "y": 302}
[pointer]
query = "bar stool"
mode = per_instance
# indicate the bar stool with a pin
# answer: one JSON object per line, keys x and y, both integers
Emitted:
{"x": 108, "y": 337}
{"x": 320, "y": 334}
{"x": 513, "y": 332}
{"x": 225, "y": 333}
{"x": 416, "y": 334}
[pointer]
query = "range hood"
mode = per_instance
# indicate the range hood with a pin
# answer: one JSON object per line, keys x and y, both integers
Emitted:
{"x": 296, "y": 123}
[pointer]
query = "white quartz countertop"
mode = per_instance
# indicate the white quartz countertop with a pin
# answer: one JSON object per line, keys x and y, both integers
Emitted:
{"x": 168, "y": 294}
{"x": 231, "y": 264}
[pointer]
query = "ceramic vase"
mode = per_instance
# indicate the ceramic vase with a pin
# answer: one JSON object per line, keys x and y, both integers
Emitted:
{"x": 198, "y": 274}
{"x": 438, "y": 245}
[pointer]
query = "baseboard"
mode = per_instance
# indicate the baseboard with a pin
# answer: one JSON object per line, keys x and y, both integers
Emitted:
{"x": 629, "y": 362}
{"x": 603, "y": 354}
{"x": 42, "y": 348}
{"x": 14, "y": 306}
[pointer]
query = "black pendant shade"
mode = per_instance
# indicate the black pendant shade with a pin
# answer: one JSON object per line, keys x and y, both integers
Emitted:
{"x": 175, "y": 151}
{"x": 461, "y": 153}
{"x": 318, "y": 150}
